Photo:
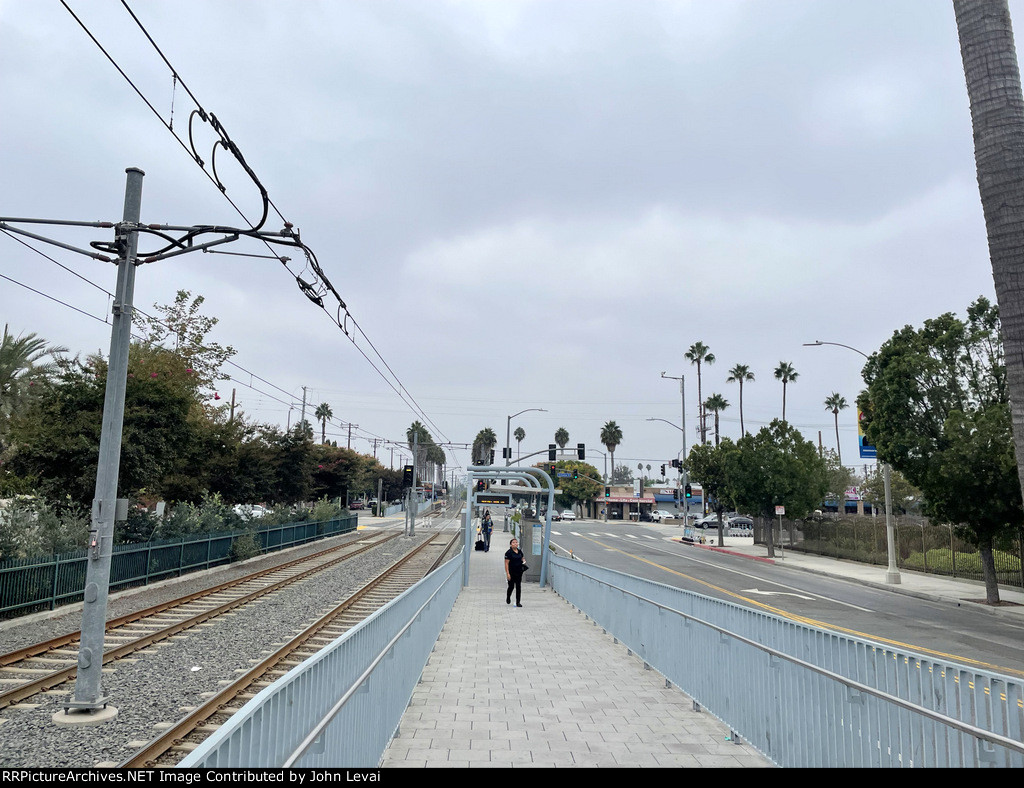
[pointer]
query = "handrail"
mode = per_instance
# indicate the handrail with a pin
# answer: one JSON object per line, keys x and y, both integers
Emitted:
{"x": 321, "y": 726}
{"x": 972, "y": 730}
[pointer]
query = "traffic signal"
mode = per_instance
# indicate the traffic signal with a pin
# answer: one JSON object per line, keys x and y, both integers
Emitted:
{"x": 675, "y": 493}
{"x": 663, "y": 469}
{"x": 407, "y": 476}
{"x": 480, "y": 485}
{"x": 581, "y": 451}
{"x": 552, "y": 472}
{"x": 607, "y": 492}
{"x": 675, "y": 463}
{"x": 575, "y": 473}
{"x": 689, "y": 491}
{"x": 492, "y": 457}
{"x": 551, "y": 452}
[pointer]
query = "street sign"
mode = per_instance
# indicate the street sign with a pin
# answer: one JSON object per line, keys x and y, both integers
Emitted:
{"x": 564, "y": 475}
{"x": 780, "y": 510}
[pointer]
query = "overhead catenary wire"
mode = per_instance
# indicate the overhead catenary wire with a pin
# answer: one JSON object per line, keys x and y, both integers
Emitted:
{"x": 315, "y": 291}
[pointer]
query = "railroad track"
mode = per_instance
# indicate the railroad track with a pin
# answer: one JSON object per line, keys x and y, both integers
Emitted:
{"x": 43, "y": 666}
{"x": 167, "y": 749}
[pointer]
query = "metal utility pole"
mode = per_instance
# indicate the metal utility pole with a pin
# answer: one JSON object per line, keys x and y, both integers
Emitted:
{"x": 302, "y": 421}
{"x": 412, "y": 490}
{"x": 88, "y": 703}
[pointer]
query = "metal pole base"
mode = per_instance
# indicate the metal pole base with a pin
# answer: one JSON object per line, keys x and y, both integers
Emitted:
{"x": 85, "y": 716}
{"x": 892, "y": 578}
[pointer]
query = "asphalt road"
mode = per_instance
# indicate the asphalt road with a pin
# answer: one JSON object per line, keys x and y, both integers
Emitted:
{"x": 936, "y": 629}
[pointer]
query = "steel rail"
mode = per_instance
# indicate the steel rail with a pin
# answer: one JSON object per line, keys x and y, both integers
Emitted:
{"x": 58, "y": 677}
{"x": 150, "y": 755}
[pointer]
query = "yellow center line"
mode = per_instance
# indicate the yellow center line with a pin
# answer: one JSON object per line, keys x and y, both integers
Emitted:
{"x": 810, "y": 621}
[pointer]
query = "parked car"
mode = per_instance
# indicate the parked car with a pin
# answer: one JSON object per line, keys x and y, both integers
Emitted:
{"x": 741, "y": 522}
{"x": 568, "y": 514}
{"x": 555, "y": 516}
{"x": 353, "y": 505}
{"x": 660, "y": 514}
{"x": 708, "y": 521}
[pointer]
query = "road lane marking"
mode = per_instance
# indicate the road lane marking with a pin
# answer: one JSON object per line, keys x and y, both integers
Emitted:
{"x": 776, "y": 593}
{"x": 813, "y": 622}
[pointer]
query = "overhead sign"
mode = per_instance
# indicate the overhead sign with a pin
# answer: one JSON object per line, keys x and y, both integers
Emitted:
{"x": 493, "y": 499}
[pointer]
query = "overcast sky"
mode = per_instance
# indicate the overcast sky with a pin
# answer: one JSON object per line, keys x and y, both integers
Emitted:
{"x": 524, "y": 204}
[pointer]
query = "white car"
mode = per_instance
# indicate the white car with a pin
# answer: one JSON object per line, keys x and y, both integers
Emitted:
{"x": 568, "y": 515}
{"x": 660, "y": 514}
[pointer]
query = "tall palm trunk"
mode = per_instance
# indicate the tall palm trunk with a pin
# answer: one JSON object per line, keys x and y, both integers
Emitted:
{"x": 997, "y": 117}
{"x": 783, "y": 400}
{"x": 743, "y": 430}
{"x": 700, "y": 409}
{"x": 839, "y": 449}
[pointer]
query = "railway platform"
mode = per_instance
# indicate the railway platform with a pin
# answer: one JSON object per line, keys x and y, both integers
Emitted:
{"x": 542, "y": 686}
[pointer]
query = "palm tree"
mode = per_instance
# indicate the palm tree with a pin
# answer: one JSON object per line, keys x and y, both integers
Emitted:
{"x": 698, "y": 354}
{"x": 561, "y": 437}
{"x": 22, "y": 364}
{"x": 323, "y": 413}
{"x": 611, "y": 436}
{"x": 786, "y": 374}
{"x": 739, "y": 374}
{"x": 715, "y": 404}
{"x": 483, "y": 443}
{"x": 994, "y": 90}
{"x": 519, "y": 434}
{"x": 836, "y": 403}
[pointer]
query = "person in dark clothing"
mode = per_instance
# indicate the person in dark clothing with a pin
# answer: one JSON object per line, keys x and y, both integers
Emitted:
{"x": 486, "y": 526}
{"x": 514, "y": 568}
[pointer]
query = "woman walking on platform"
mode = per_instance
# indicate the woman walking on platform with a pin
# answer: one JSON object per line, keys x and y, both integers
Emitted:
{"x": 514, "y": 568}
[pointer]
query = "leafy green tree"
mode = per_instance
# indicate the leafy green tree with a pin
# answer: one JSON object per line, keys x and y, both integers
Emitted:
{"x": 839, "y": 478}
{"x": 906, "y": 498}
{"x": 181, "y": 328}
{"x": 622, "y": 474}
{"x": 835, "y": 403}
{"x": 561, "y": 437}
{"x": 709, "y": 465}
{"x": 700, "y": 354}
{"x": 323, "y": 414}
{"x": 776, "y": 466}
{"x": 581, "y": 490}
{"x": 57, "y": 440}
{"x": 938, "y": 412}
{"x": 611, "y": 437}
{"x": 785, "y": 373}
{"x": 740, "y": 374}
{"x": 716, "y": 403}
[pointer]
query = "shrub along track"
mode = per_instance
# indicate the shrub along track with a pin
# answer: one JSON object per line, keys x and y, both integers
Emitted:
{"x": 42, "y": 666}
{"x": 172, "y": 745}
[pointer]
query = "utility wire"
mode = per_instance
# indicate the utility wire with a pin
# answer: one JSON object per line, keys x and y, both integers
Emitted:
{"x": 313, "y": 292}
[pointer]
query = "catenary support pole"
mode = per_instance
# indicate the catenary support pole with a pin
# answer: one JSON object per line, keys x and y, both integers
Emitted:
{"x": 88, "y": 698}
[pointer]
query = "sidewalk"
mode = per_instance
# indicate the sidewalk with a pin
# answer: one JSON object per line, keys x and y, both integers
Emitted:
{"x": 919, "y": 584}
{"x": 543, "y": 686}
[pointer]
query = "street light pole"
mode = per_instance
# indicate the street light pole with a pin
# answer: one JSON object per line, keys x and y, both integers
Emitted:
{"x": 892, "y": 574}
{"x": 683, "y": 472}
{"x": 508, "y": 432}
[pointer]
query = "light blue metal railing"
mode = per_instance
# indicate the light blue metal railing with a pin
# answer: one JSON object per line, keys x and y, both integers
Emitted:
{"x": 341, "y": 707}
{"x": 805, "y": 696}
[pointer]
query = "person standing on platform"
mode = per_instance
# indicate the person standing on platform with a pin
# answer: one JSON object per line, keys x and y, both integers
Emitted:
{"x": 486, "y": 526}
{"x": 514, "y": 567}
